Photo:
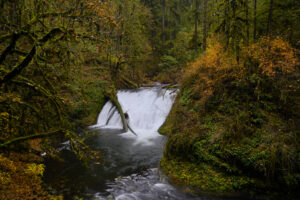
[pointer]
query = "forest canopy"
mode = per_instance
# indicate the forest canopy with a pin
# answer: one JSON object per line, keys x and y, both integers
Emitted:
{"x": 61, "y": 60}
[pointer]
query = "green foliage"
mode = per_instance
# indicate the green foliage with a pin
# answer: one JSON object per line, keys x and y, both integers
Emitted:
{"x": 204, "y": 177}
{"x": 228, "y": 121}
{"x": 66, "y": 55}
{"x": 59, "y": 59}
{"x": 167, "y": 62}
{"x": 35, "y": 169}
{"x": 181, "y": 48}
{"x": 186, "y": 98}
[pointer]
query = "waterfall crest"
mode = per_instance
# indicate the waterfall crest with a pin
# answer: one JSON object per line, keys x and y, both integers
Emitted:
{"x": 146, "y": 108}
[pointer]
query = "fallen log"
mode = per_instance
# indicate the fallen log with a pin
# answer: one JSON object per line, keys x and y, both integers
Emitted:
{"x": 31, "y": 137}
{"x": 123, "y": 115}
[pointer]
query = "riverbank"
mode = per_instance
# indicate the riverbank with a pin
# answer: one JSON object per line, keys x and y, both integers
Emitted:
{"x": 127, "y": 164}
{"x": 232, "y": 129}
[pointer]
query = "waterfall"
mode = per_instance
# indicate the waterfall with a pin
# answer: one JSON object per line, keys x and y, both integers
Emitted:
{"x": 146, "y": 109}
{"x": 129, "y": 170}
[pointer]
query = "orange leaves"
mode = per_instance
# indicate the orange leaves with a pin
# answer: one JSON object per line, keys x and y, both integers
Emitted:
{"x": 274, "y": 56}
{"x": 6, "y": 164}
{"x": 218, "y": 67}
{"x": 20, "y": 178}
{"x": 214, "y": 63}
{"x": 100, "y": 49}
{"x": 104, "y": 12}
{"x": 90, "y": 4}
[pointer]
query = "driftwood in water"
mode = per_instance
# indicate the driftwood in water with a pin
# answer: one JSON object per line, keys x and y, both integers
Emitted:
{"x": 127, "y": 118}
{"x": 123, "y": 115}
{"x": 131, "y": 129}
{"x": 111, "y": 115}
{"x": 116, "y": 103}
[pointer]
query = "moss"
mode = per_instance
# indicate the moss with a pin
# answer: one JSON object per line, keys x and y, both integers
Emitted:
{"x": 213, "y": 156}
{"x": 204, "y": 177}
{"x": 90, "y": 99}
{"x": 230, "y": 131}
{"x": 163, "y": 130}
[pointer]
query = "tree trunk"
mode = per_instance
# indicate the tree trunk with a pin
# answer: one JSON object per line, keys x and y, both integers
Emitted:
{"x": 204, "y": 24}
{"x": 163, "y": 20}
{"x": 247, "y": 22}
{"x": 152, "y": 30}
{"x": 116, "y": 103}
{"x": 196, "y": 24}
{"x": 8, "y": 50}
{"x": 227, "y": 22}
{"x": 18, "y": 69}
{"x": 270, "y": 19}
{"x": 255, "y": 20}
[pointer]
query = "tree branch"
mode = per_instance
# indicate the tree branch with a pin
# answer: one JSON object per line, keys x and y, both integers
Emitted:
{"x": 12, "y": 45}
{"x": 17, "y": 70}
{"x": 30, "y": 137}
{"x": 53, "y": 98}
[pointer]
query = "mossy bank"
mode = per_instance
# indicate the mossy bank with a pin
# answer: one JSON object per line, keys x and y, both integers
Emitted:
{"x": 234, "y": 127}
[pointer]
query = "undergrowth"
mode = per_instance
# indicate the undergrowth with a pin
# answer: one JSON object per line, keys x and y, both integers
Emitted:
{"x": 239, "y": 118}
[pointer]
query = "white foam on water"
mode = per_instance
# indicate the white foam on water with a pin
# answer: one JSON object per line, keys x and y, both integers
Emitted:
{"x": 148, "y": 185}
{"x": 126, "y": 197}
{"x": 147, "y": 109}
{"x": 144, "y": 137}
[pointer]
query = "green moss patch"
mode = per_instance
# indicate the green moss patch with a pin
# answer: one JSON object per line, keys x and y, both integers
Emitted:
{"x": 204, "y": 176}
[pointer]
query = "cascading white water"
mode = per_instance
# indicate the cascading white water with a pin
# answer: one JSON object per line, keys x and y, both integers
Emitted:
{"x": 129, "y": 170}
{"x": 147, "y": 108}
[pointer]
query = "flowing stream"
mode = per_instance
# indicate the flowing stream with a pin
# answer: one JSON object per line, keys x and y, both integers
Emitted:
{"x": 128, "y": 165}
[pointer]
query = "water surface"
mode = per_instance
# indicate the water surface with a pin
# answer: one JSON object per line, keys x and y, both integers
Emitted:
{"x": 128, "y": 165}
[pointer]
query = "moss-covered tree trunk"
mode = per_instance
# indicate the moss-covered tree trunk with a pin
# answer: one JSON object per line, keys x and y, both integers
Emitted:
{"x": 113, "y": 98}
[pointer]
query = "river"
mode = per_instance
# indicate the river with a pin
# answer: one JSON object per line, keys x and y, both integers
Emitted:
{"x": 127, "y": 168}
